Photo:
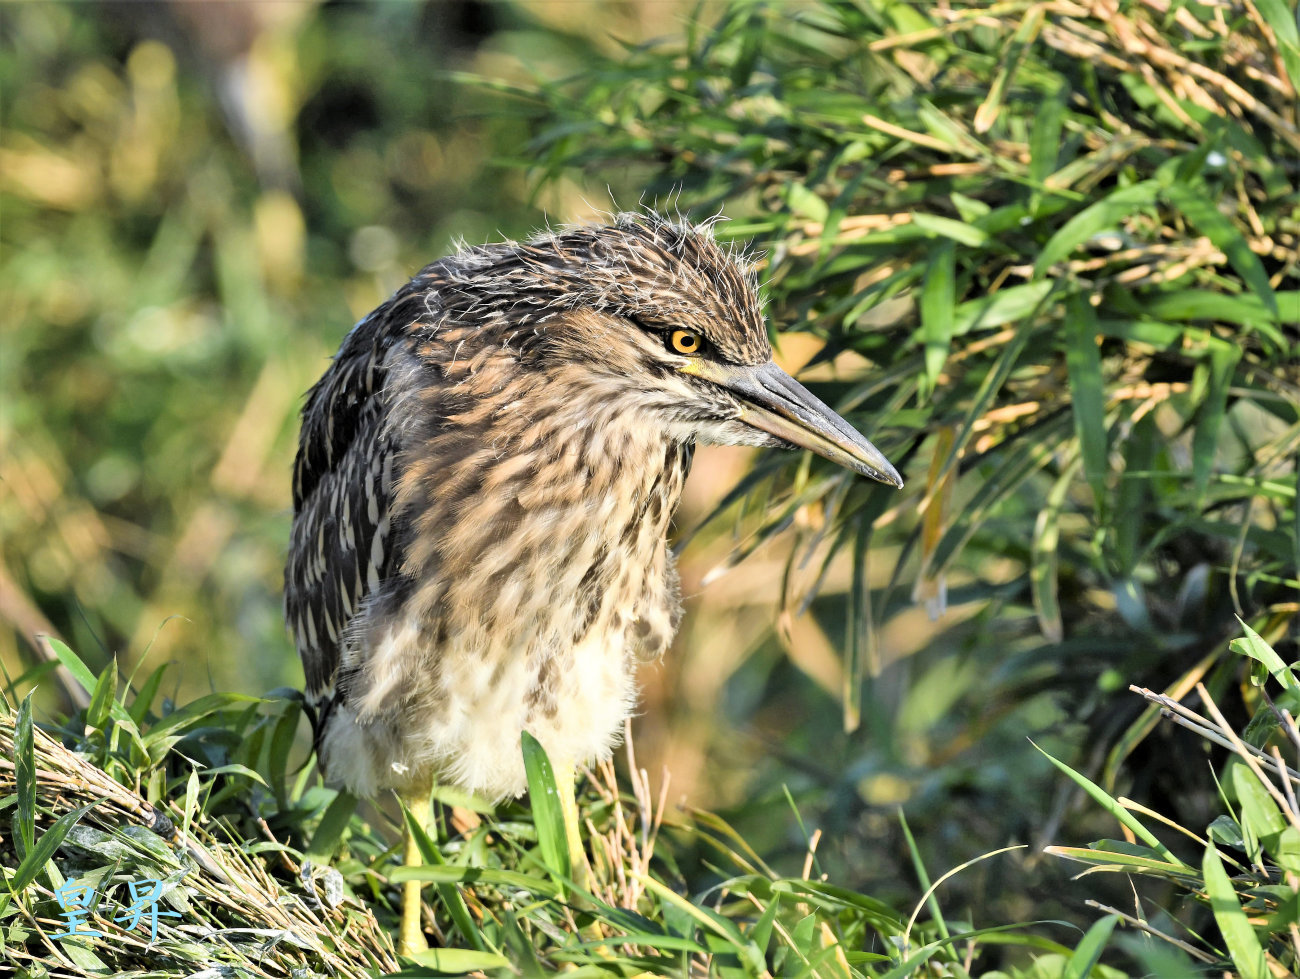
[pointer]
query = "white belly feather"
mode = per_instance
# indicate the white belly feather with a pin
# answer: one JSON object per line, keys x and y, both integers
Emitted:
{"x": 471, "y": 737}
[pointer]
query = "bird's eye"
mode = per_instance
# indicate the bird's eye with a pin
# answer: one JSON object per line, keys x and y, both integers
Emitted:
{"x": 685, "y": 342}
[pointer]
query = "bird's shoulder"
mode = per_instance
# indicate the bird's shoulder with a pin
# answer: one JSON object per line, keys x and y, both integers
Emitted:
{"x": 344, "y": 546}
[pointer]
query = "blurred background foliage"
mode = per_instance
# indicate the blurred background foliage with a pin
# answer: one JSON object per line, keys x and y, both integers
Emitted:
{"x": 1044, "y": 254}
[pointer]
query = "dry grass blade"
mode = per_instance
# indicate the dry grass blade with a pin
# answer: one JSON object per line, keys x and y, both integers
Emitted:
{"x": 230, "y": 911}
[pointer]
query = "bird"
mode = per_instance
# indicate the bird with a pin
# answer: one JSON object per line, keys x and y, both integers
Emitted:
{"x": 483, "y": 490}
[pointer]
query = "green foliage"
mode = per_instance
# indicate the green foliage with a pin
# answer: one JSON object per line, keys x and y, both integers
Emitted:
{"x": 496, "y": 904}
{"x": 1249, "y": 872}
{"x": 1057, "y": 276}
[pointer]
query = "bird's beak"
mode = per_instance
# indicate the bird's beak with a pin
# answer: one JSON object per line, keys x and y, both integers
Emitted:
{"x": 779, "y": 405}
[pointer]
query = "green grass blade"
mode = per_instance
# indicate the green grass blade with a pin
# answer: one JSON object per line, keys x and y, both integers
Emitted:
{"x": 990, "y": 384}
{"x": 1199, "y": 205}
{"x": 1043, "y": 581}
{"x": 45, "y": 847}
{"x": 452, "y": 874}
{"x": 911, "y": 965}
{"x": 711, "y": 921}
{"x": 1101, "y": 216}
{"x": 922, "y": 877}
{"x": 1002, "y": 307}
{"x": 938, "y": 295}
{"x": 548, "y": 817}
{"x": 25, "y": 775}
{"x": 1120, "y": 861}
{"x": 1088, "y": 952}
{"x": 861, "y": 634}
{"x": 451, "y": 896}
{"x": 1087, "y": 397}
{"x": 952, "y": 231}
{"x": 73, "y": 664}
{"x": 1282, "y": 17}
{"x": 330, "y": 829}
{"x": 1223, "y": 360}
{"x": 1243, "y": 944}
{"x": 1125, "y": 817}
{"x": 1045, "y": 139}
{"x": 191, "y": 803}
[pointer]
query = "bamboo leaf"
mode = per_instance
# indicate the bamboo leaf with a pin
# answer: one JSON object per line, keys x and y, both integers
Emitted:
{"x": 102, "y": 698}
{"x": 330, "y": 829}
{"x": 1254, "y": 646}
{"x": 1261, "y": 820}
{"x": 144, "y": 698}
{"x": 193, "y": 712}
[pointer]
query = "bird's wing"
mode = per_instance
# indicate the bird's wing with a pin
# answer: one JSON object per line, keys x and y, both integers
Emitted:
{"x": 339, "y": 551}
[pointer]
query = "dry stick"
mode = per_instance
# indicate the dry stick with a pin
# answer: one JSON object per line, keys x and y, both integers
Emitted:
{"x": 1241, "y": 748}
{"x": 1292, "y": 729}
{"x": 811, "y": 853}
{"x": 1141, "y": 925}
{"x": 1193, "y": 721}
{"x": 1286, "y": 782}
{"x": 920, "y": 139}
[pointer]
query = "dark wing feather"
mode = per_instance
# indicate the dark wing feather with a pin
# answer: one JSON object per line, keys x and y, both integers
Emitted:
{"x": 339, "y": 550}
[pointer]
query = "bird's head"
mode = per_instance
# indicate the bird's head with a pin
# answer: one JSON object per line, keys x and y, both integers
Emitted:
{"x": 655, "y": 315}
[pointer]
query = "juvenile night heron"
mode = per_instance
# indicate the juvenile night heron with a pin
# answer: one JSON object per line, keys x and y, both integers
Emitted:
{"x": 484, "y": 483}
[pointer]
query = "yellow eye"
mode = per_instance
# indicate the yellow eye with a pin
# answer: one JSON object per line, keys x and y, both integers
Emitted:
{"x": 686, "y": 342}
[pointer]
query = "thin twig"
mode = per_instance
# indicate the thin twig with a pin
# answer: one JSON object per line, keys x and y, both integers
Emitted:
{"x": 1141, "y": 925}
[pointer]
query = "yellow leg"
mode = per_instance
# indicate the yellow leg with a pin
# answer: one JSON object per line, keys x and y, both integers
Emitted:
{"x": 411, "y": 938}
{"x": 580, "y": 870}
